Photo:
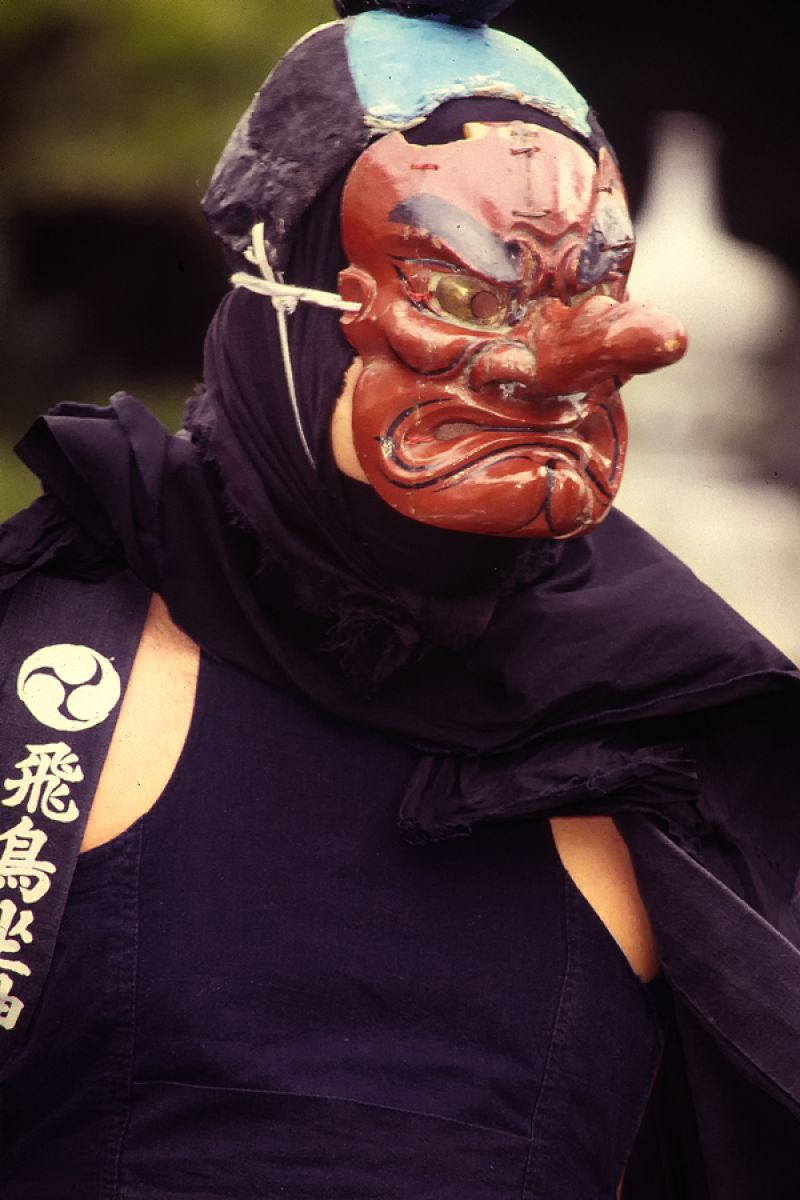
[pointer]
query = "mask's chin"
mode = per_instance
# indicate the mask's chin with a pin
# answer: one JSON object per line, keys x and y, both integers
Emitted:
{"x": 483, "y": 461}
{"x": 438, "y": 501}
{"x": 496, "y": 481}
{"x": 544, "y": 500}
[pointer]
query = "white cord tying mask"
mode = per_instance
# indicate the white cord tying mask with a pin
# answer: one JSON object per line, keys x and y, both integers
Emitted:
{"x": 285, "y": 298}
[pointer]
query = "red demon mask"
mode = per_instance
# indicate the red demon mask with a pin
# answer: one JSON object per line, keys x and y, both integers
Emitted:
{"x": 494, "y": 329}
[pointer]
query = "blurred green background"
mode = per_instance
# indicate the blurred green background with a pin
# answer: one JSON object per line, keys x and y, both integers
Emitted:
{"x": 111, "y": 118}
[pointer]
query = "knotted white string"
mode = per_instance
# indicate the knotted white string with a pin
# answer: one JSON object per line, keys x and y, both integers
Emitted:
{"x": 285, "y": 298}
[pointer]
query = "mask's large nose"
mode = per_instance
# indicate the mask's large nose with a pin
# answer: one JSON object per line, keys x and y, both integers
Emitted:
{"x": 563, "y": 350}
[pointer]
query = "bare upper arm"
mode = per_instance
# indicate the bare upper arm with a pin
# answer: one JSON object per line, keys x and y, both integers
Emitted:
{"x": 597, "y": 859}
{"x": 153, "y": 723}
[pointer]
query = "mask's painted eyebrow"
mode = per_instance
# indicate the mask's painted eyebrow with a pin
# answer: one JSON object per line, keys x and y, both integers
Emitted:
{"x": 474, "y": 244}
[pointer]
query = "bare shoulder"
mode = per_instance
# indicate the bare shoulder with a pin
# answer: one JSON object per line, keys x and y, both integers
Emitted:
{"x": 154, "y": 720}
{"x": 597, "y": 859}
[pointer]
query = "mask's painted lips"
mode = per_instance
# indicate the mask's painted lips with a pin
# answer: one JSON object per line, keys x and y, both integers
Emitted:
{"x": 569, "y": 410}
{"x": 481, "y": 445}
{"x": 444, "y": 435}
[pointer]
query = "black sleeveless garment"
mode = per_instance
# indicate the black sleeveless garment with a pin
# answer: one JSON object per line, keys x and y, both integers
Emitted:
{"x": 261, "y": 990}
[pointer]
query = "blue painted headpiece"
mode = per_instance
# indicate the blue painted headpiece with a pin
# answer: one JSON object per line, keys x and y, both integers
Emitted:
{"x": 350, "y": 81}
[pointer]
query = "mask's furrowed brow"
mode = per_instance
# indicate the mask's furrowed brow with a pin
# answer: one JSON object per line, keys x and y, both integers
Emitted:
{"x": 472, "y": 243}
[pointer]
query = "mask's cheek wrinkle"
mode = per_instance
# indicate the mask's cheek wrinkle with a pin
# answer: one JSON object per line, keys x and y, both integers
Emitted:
{"x": 422, "y": 345}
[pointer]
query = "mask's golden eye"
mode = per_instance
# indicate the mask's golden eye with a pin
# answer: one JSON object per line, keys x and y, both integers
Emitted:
{"x": 469, "y": 301}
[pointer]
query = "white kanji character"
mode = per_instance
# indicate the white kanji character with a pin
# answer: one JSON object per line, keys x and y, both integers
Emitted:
{"x": 19, "y": 863}
{"x": 15, "y": 928}
{"x": 10, "y": 1006}
{"x": 16, "y": 965}
{"x": 14, "y": 924}
{"x": 43, "y": 783}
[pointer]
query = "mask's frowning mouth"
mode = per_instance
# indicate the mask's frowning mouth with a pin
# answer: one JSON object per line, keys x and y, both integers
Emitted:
{"x": 442, "y": 440}
{"x": 569, "y": 410}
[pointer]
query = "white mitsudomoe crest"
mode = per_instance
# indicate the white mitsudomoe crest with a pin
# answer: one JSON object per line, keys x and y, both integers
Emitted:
{"x": 68, "y": 687}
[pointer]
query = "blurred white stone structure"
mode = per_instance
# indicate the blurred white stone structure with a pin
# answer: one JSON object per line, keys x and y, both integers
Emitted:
{"x": 699, "y": 429}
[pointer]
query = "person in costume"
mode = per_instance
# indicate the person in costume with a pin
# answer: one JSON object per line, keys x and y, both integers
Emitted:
{"x": 447, "y": 839}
